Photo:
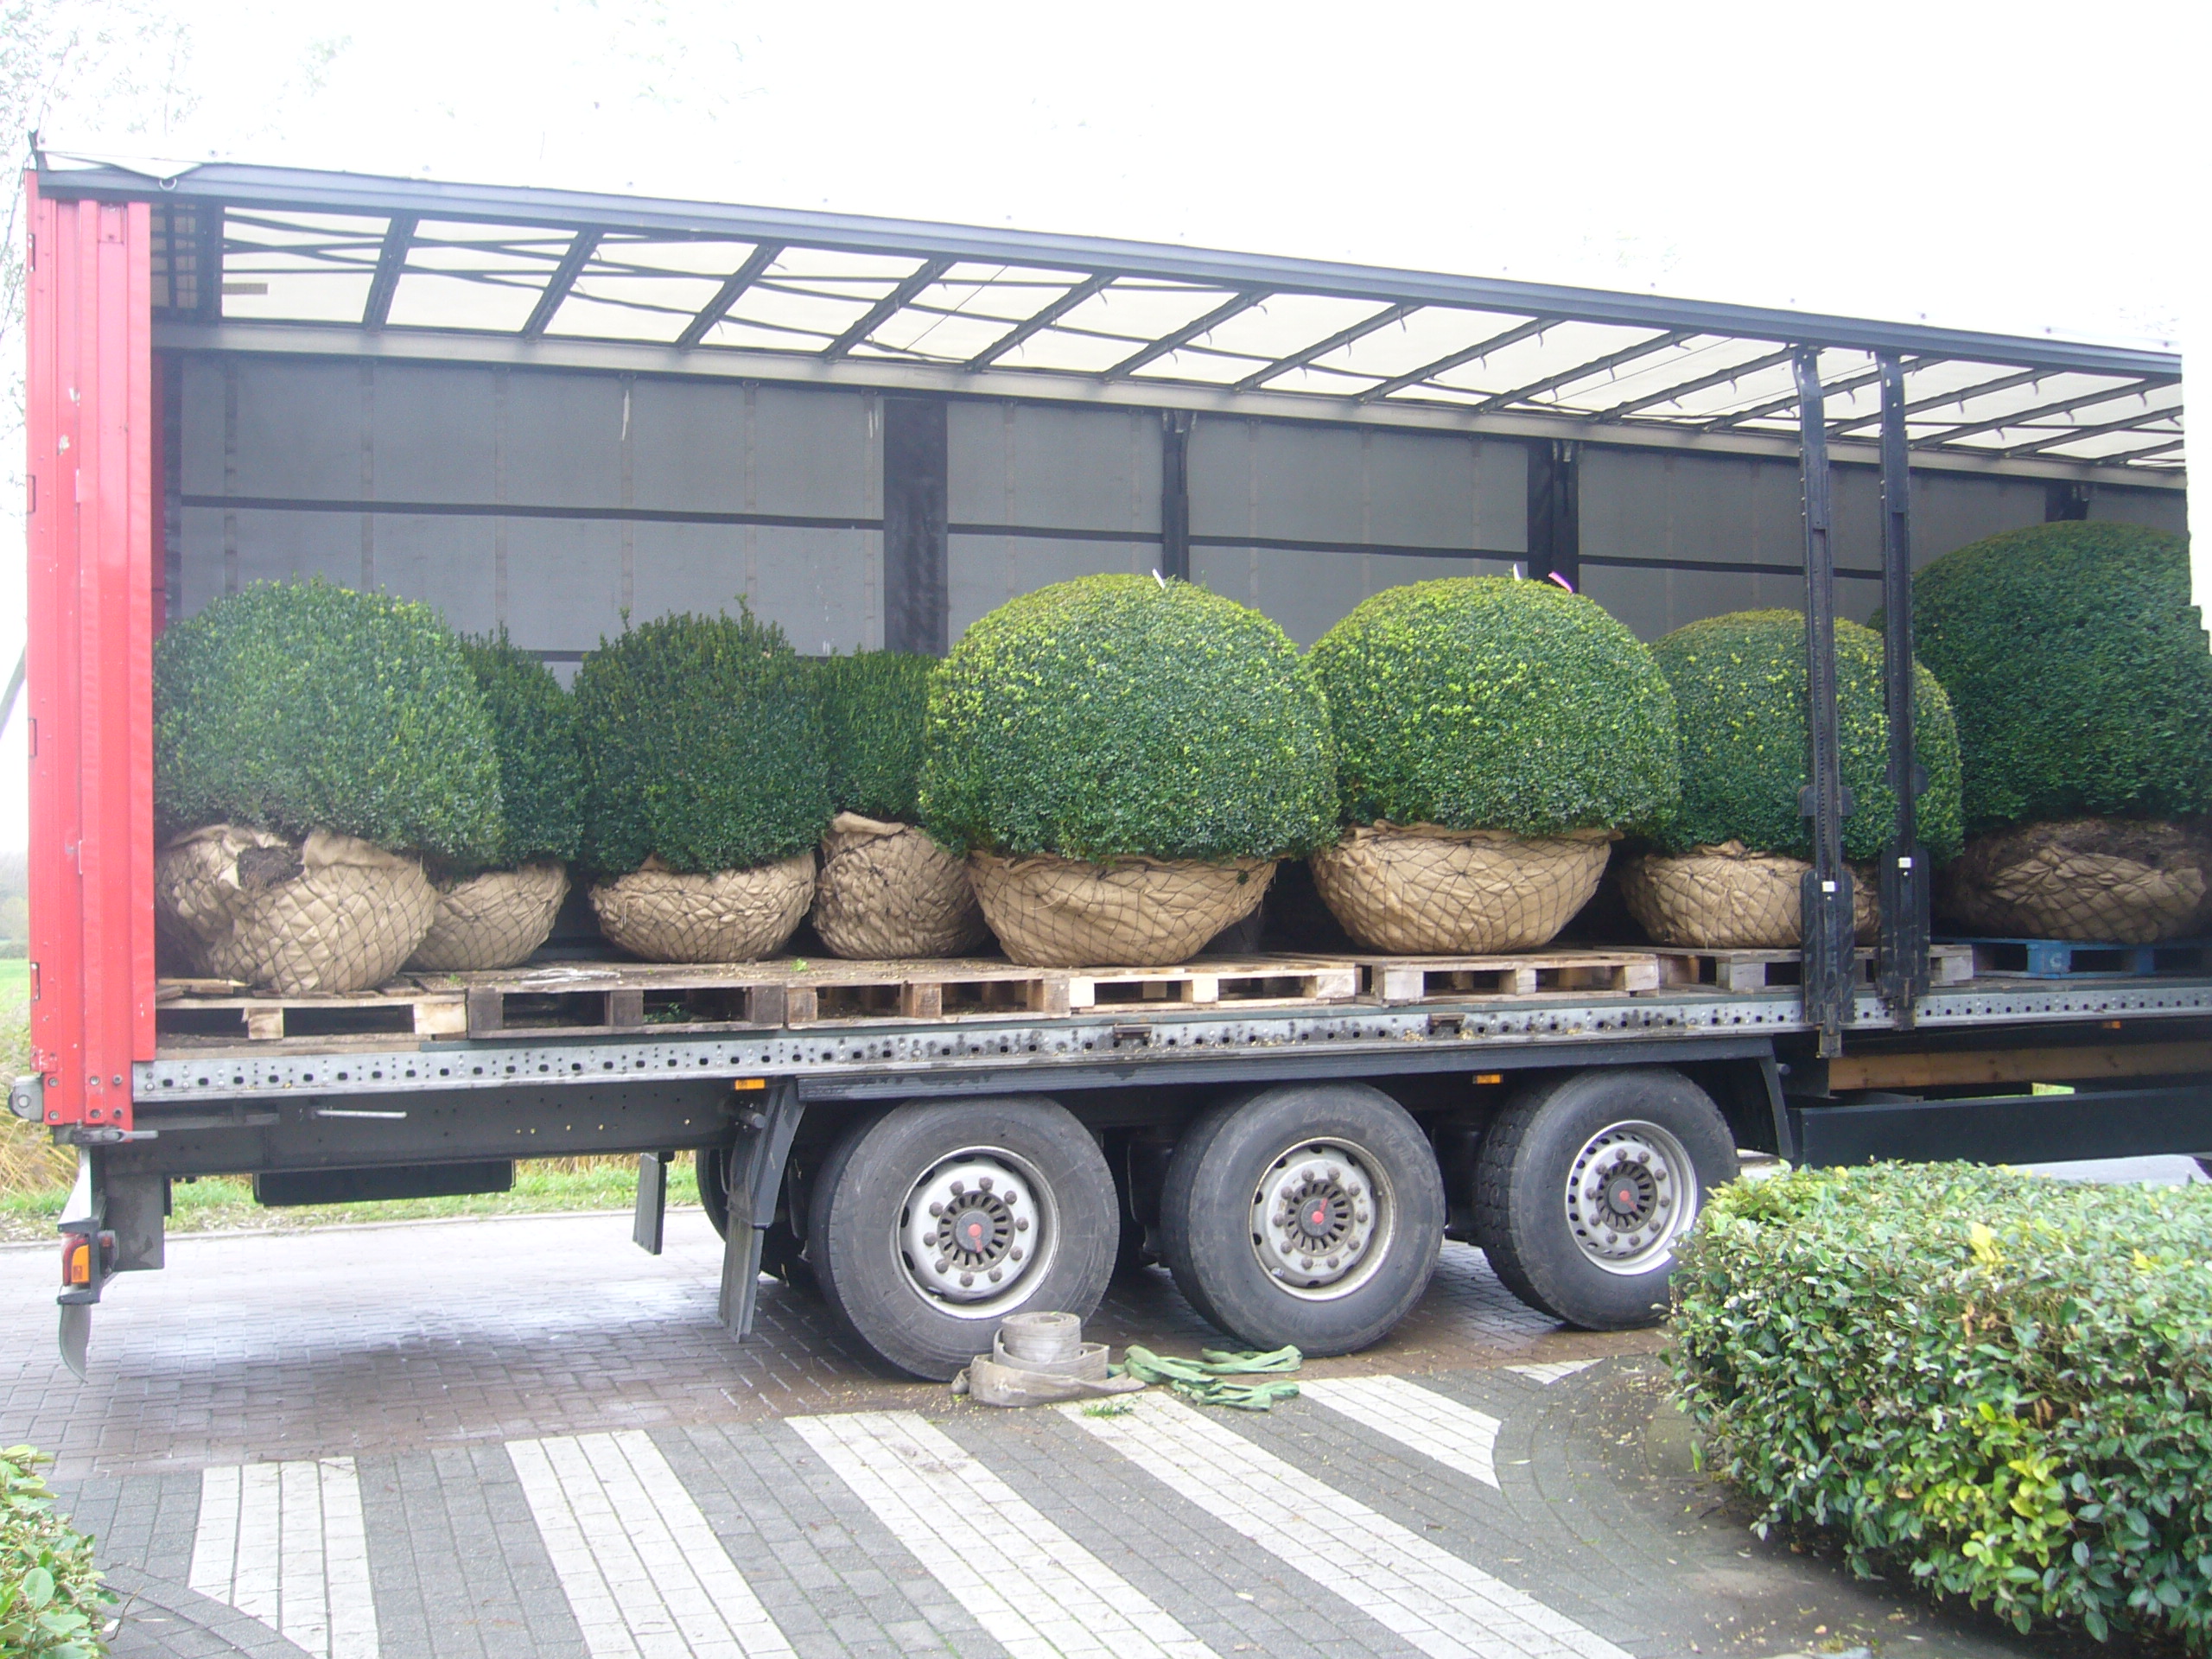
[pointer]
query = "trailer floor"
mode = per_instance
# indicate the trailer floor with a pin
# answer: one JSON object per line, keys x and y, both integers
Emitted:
{"x": 551, "y": 1449}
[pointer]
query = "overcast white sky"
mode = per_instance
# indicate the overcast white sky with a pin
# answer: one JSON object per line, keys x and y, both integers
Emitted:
{"x": 2016, "y": 166}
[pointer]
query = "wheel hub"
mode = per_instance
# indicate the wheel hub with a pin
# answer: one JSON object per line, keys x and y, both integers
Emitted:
{"x": 1316, "y": 1217}
{"x": 967, "y": 1231}
{"x": 1630, "y": 1193}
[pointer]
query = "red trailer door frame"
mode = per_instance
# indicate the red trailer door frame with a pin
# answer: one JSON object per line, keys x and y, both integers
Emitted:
{"x": 89, "y": 668}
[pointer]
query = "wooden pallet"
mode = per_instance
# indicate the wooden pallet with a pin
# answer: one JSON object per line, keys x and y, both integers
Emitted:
{"x": 1215, "y": 979}
{"x": 198, "y": 1008}
{"x": 790, "y": 992}
{"x": 1773, "y": 970}
{"x": 1583, "y": 973}
{"x": 2067, "y": 959}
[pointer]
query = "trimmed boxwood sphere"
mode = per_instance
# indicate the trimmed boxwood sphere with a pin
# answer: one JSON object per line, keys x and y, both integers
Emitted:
{"x": 1119, "y": 716}
{"x": 875, "y": 707}
{"x": 2078, "y": 671}
{"x": 540, "y": 770}
{"x": 300, "y": 706}
{"x": 1484, "y": 702}
{"x": 1739, "y": 694}
{"x": 701, "y": 740}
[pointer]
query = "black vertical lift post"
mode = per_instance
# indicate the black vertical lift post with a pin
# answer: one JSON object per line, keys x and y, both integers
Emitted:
{"x": 916, "y": 468}
{"x": 1830, "y": 969}
{"x": 1554, "y": 510}
{"x": 1175, "y": 493}
{"x": 1905, "y": 874}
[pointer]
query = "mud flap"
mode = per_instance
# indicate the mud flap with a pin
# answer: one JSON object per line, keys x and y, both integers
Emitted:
{"x": 756, "y": 1171}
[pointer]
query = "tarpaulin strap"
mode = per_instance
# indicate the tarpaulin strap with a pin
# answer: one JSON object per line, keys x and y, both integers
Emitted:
{"x": 1208, "y": 1380}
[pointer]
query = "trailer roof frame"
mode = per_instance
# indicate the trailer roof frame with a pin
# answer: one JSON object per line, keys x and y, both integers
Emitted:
{"x": 837, "y": 299}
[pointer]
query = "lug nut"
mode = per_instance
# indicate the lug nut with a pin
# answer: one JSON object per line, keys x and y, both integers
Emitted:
{"x": 967, "y": 1280}
{"x": 1015, "y": 1253}
{"x": 957, "y": 1189}
{"x": 994, "y": 1276}
{"x": 984, "y": 1185}
{"x": 1021, "y": 1223}
{"x": 936, "y": 1209}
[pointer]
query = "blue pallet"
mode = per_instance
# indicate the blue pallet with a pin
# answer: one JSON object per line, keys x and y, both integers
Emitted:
{"x": 2073, "y": 959}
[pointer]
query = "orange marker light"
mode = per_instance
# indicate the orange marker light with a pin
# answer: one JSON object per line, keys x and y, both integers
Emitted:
{"x": 743, "y": 1084}
{"x": 76, "y": 1261}
{"x": 1489, "y": 1077}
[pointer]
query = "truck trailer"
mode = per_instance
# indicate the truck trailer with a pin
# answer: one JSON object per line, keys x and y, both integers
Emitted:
{"x": 550, "y": 411}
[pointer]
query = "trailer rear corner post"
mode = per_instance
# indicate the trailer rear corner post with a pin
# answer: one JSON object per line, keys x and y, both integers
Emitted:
{"x": 1903, "y": 966}
{"x": 1830, "y": 967}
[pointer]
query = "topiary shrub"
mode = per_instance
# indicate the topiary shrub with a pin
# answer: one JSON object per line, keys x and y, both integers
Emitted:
{"x": 1116, "y": 717}
{"x": 53, "y": 1605}
{"x": 874, "y": 712}
{"x": 1999, "y": 1383}
{"x": 1740, "y": 698}
{"x": 534, "y": 733}
{"x": 293, "y": 707}
{"x": 1484, "y": 702}
{"x": 703, "y": 745}
{"x": 2078, "y": 671}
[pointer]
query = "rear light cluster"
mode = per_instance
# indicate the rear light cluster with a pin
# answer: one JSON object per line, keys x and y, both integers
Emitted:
{"x": 77, "y": 1258}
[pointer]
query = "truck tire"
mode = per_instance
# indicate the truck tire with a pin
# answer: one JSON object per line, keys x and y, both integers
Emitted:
{"x": 1310, "y": 1214}
{"x": 1584, "y": 1183}
{"x": 711, "y": 1164}
{"x": 890, "y": 1206}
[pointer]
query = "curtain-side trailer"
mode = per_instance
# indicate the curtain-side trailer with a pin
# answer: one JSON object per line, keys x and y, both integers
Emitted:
{"x": 547, "y": 410}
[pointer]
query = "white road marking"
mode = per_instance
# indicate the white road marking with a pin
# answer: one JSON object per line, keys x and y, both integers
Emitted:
{"x": 1553, "y": 1372}
{"x": 283, "y": 1543}
{"x": 1427, "y": 1596}
{"x": 1037, "y": 1592}
{"x": 1454, "y": 1435}
{"x": 644, "y": 1572}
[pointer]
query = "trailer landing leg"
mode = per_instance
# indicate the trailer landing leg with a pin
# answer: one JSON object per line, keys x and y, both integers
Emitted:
{"x": 756, "y": 1171}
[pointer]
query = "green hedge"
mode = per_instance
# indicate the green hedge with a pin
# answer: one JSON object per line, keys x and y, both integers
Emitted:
{"x": 875, "y": 711}
{"x": 1484, "y": 702}
{"x": 51, "y": 1604}
{"x": 1116, "y": 715}
{"x": 1739, "y": 695}
{"x": 1999, "y": 1383}
{"x": 702, "y": 739}
{"x": 300, "y": 706}
{"x": 2078, "y": 671}
{"x": 541, "y": 769}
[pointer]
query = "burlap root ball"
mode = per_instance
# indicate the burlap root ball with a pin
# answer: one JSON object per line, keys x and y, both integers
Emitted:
{"x": 2098, "y": 881}
{"x": 888, "y": 891}
{"x": 725, "y": 916}
{"x": 492, "y": 920}
{"x": 321, "y": 917}
{"x": 1724, "y": 898}
{"x": 1132, "y": 913}
{"x": 1420, "y": 890}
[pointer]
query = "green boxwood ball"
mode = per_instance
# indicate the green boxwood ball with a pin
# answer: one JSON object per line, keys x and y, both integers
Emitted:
{"x": 874, "y": 709}
{"x": 1122, "y": 716}
{"x": 1484, "y": 702}
{"x": 1739, "y": 694}
{"x": 703, "y": 745}
{"x": 2079, "y": 672}
{"x": 541, "y": 769}
{"x": 300, "y": 706}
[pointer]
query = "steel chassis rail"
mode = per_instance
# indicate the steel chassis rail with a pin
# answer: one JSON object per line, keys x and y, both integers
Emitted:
{"x": 873, "y": 1060}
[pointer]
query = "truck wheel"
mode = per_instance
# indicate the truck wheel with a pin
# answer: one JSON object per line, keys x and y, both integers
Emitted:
{"x": 1586, "y": 1184}
{"x": 1309, "y": 1214}
{"x": 934, "y": 1221}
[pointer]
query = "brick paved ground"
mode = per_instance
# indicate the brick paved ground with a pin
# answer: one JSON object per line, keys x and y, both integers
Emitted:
{"x": 523, "y": 1438}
